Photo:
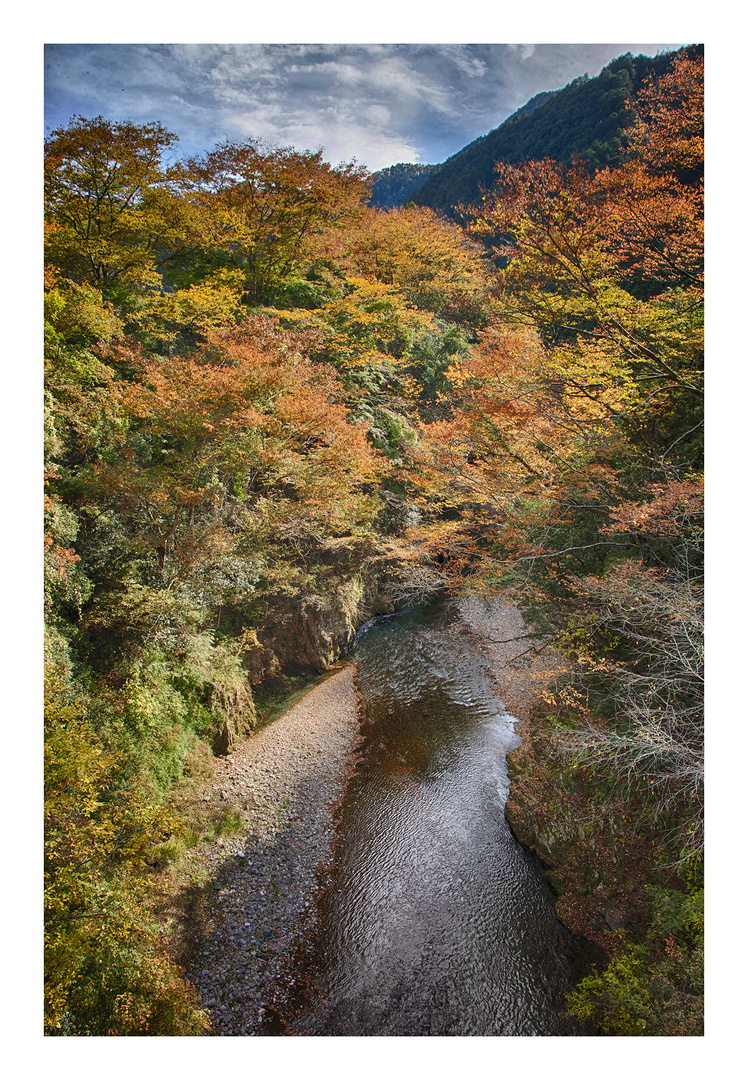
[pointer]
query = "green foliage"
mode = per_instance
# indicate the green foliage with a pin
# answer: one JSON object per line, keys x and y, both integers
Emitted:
{"x": 111, "y": 975}
{"x": 390, "y": 433}
{"x": 654, "y": 987}
{"x": 397, "y": 184}
{"x": 77, "y": 316}
{"x": 107, "y": 971}
{"x": 433, "y": 352}
{"x": 65, "y": 584}
{"x": 308, "y": 291}
{"x": 589, "y": 118}
{"x": 229, "y": 824}
{"x": 173, "y": 681}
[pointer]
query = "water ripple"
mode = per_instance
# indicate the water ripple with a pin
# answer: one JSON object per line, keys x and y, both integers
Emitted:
{"x": 439, "y": 923}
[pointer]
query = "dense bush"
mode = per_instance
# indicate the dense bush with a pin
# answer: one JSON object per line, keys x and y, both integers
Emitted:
{"x": 655, "y": 987}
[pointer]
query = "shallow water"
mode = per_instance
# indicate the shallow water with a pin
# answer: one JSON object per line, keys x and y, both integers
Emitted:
{"x": 437, "y": 922}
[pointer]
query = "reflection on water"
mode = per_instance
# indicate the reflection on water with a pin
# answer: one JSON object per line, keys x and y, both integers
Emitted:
{"x": 438, "y": 922}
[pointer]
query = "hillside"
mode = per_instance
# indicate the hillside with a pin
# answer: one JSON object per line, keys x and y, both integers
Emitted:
{"x": 398, "y": 184}
{"x": 588, "y": 118}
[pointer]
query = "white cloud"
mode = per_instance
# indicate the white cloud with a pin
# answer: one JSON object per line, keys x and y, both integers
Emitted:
{"x": 380, "y": 103}
{"x": 379, "y": 114}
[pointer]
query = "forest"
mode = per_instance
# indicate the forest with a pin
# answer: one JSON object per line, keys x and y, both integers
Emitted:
{"x": 397, "y": 184}
{"x": 268, "y": 403}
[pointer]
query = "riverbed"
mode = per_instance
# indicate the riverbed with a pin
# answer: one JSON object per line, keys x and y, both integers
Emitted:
{"x": 377, "y": 889}
{"x": 437, "y": 921}
{"x": 258, "y": 899}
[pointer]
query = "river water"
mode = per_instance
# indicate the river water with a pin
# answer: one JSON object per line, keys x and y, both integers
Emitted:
{"x": 437, "y": 921}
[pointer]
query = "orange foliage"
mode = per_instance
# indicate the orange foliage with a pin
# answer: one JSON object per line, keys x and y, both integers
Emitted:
{"x": 669, "y": 136}
{"x": 247, "y": 435}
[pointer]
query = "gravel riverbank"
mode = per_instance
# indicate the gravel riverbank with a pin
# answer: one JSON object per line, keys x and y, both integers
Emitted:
{"x": 259, "y": 900}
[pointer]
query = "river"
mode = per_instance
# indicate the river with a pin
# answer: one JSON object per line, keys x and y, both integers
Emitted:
{"x": 436, "y": 922}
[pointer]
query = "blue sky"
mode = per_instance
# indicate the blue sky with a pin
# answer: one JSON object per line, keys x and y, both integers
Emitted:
{"x": 378, "y": 103}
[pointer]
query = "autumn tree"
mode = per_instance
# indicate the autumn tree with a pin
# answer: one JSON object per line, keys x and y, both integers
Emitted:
{"x": 428, "y": 257}
{"x": 668, "y": 136}
{"x": 609, "y": 267}
{"x": 258, "y": 206}
{"x": 113, "y": 216}
{"x": 575, "y": 243}
{"x": 201, "y": 469}
{"x": 601, "y": 395}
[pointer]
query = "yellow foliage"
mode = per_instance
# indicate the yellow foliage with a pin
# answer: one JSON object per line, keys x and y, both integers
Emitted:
{"x": 197, "y": 308}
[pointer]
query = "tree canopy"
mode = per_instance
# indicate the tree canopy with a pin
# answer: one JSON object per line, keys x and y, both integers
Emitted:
{"x": 262, "y": 392}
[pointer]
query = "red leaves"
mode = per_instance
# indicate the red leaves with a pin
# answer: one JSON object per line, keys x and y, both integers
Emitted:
{"x": 670, "y": 132}
{"x": 676, "y": 508}
{"x": 242, "y": 435}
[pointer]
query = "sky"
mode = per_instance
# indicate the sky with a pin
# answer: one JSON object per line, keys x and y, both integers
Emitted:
{"x": 378, "y": 103}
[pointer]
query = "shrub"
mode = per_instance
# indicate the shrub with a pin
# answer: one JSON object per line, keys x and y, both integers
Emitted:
{"x": 655, "y": 987}
{"x": 107, "y": 971}
{"x": 647, "y": 674}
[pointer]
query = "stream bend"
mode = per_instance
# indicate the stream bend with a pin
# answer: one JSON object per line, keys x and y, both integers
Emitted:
{"x": 438, "y": 922}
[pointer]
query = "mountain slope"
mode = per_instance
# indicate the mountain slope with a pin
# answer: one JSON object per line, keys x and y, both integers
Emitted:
{"x": 587, "y": 118}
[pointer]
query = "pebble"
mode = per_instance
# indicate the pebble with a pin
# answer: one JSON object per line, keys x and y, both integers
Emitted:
{"x": 264, "y": 883}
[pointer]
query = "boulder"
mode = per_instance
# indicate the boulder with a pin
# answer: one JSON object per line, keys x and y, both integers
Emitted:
{"x": 616, "y": 919}
{"x": 235, "y": 715}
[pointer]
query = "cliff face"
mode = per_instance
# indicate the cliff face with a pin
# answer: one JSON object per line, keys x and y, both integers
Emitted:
{"x": 237, "y": 718}
{"x": 313, "y": 627}
{"x": 321, "y": 630}
{"x": 314, "y": 631}
{"x": 301, "y": 632}
{"x": 596, "y": 854}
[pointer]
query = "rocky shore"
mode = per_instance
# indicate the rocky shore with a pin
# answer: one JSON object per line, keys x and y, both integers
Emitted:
{"x": 258, "y": 901}
{"x": 596, "y": 861}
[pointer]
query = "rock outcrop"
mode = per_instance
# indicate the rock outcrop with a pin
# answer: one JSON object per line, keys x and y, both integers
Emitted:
{"x": 314, "y": 628}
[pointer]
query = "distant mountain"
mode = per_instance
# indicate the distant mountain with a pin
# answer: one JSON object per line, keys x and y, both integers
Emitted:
{"x": 588, "y": 118}
{"x": 397, "y": 184}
